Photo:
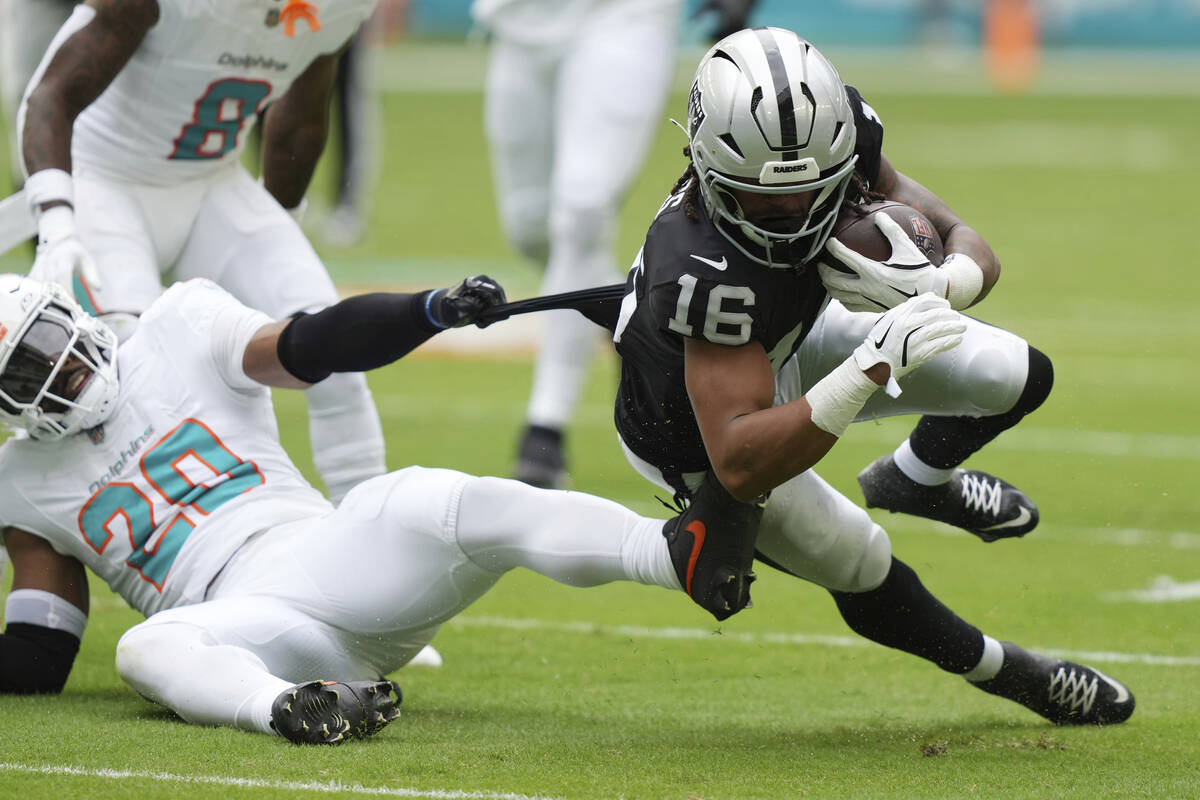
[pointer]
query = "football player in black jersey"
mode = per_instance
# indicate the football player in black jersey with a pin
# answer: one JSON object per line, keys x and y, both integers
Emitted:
{"x": 739, "y": 373}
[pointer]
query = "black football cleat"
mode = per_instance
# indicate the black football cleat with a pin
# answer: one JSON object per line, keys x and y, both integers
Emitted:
{"x": 1063, "y": 692}
{"x": 712, "y": 548}
{"x": 975, "y": 501}
{"x": 330, "y": 712}
{"x": 541, "y": 461}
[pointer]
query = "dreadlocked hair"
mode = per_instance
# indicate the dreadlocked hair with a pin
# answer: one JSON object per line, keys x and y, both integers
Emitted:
{"x": 691, "y": 180}
{"x": 858, "y": 194}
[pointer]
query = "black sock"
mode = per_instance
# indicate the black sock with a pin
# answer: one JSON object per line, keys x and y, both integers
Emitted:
{"x": 946, "y": 442}
{"x": 901, "y": 613}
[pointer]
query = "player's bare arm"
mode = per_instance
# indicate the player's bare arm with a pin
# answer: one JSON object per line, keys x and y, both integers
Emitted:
{"x": 78, "y": 73}
{"x": 37, "y": 565}
{"x": 957, "y": 236}
{"x": 295, "y": 128}
{"x": 47, "y": 611}
{"x": 753, "y": 445}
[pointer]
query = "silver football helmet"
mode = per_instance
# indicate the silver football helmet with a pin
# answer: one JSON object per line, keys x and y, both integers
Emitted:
{"x": 58, "y": 371}
{"x": 768, "y": 114}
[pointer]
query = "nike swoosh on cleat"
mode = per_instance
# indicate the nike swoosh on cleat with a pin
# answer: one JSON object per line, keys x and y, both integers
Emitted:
{"x": 1122, "y": 692}
{"x": 698, "y": 531}
{"x": 720, "y": 265}
{"x": 1017, "y": 521}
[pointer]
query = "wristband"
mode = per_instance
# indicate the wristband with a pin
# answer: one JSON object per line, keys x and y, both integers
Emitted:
{"x": 55, "y": 224}
{"x": 964, "y": 280}
{"x": 837, "y": 398}
{"x": 37, "y": 607}
{"x": 48, "y": 186}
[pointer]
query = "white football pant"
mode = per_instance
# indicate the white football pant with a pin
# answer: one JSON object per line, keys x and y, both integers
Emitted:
{"x": 355, "y": 594}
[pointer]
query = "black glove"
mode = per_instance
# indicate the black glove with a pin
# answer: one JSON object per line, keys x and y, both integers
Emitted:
{"x": 731, "y": 15}
{"x": 462, "y": 305}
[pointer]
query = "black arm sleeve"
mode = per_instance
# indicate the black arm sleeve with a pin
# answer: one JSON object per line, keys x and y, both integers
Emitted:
{"x": 358, "y": 334}
{"x": 35, "y": 659}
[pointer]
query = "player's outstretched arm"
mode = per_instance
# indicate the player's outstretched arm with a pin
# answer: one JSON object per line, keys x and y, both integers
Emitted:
{"x": 967, "y": 252}
{"x": 362, "y": 332}
{"x": 45, "y": 615}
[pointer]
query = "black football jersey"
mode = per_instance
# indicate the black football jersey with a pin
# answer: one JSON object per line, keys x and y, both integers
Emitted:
{"x": 690, "y": 281}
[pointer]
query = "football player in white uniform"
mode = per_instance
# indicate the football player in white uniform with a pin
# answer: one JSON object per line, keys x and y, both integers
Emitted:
{"x": 156, "y": 465}
{"x": 573, "y": 99}
{"x": 131, "y": 132}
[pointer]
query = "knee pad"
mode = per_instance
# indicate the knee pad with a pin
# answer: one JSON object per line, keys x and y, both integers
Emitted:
{"x": 815, "y": 533}
{"x": 154, "y": 639}
{"x": 994, "y": 376}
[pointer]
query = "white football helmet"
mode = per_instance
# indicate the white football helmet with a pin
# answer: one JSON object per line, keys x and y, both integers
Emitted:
{"x": 768, "y": 114}
{"x": 58, "y": 371}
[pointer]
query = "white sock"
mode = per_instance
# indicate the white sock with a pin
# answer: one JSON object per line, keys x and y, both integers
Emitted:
{"x": 255, "y": 712}
{"x": 917, "y": 469}
{"x": 991, "y": 662}
{"x": 572, "y": 537}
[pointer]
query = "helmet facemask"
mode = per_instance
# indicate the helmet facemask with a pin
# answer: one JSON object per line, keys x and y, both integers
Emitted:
{"x": 787, "y": 240}
{"x": 57, "y": 363}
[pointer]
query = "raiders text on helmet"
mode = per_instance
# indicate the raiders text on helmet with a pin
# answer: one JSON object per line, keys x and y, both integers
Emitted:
{"x": 767, "y": 113}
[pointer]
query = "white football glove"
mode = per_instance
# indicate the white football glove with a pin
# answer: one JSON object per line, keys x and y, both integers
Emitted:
{"x": 909, "y": 335}
{"x": 62, "y": 258}
{"x": 877, "y": 285}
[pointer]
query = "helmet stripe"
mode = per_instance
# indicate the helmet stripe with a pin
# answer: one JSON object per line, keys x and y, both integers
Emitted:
{"x": 783, "y": 93}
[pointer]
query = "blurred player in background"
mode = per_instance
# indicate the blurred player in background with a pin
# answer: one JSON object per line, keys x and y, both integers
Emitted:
{"x": 156, "y": 464}
{"x": 739, "y": 374}
{"x": 131, "y": 135}
{"x": 26, "y": 28}
{"x": 356, "y": 115}
{"x": 573, "y": 100}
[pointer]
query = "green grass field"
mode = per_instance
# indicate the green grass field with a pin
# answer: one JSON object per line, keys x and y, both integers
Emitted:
{"x": 627, "y": 691}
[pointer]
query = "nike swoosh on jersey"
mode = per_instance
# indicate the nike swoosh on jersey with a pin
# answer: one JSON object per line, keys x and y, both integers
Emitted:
{"x": 698, "y": 531}
{"x": 1122, "y": 692}
{"x": 1017, "y": 521}
{"x": 721, "y": 265}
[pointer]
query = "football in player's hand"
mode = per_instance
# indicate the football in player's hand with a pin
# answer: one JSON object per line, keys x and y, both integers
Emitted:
{"x": 855, "y": 229}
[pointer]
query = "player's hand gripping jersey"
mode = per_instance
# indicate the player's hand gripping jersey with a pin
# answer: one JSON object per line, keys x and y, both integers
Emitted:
{"x": 690, "y": 281}
{"x": 151, "y": 500}
{"x": 187, "y": 99}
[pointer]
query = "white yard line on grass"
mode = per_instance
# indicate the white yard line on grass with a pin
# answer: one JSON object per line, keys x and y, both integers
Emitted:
{"x": 644, "y": 632}
{"x": 331, "y": 787}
